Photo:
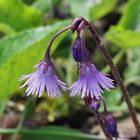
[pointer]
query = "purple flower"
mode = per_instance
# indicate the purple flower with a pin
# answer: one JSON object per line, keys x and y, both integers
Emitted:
{"x": 111, "y": 124}
{"x": 91, "y": 82}
{"x": 77, "y": 50}
{"x": 44, "y": 79}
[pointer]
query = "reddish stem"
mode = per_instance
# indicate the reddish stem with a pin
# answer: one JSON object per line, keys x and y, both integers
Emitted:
{"x": 47, "y": 54}
{"x": 116, "y": 75}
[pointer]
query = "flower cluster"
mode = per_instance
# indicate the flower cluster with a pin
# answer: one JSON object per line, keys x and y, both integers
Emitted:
{"x": 91, "y": 81}
{"x": 90, "y": 84}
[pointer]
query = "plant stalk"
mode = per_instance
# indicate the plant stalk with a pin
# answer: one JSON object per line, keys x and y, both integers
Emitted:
{"x": 116, "y": 75}
{"x": 47, "y": 54}
{"x": 100, "y": 121}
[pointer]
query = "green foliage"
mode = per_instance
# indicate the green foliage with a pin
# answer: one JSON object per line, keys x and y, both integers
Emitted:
{"x": 132, "y": 73}
{"x": 92, "y": 10}
{"x": 43, "y": 5}
{"x": 136, "y": 101}
{"x": 18, "y": 15}
{"x": 125, "y": 34}
{"x": 102, "y": 8}
{"x": 6, "y": 29}
{"x": 120, "y": 37}
{"x": 24, "y": 40}
{"x": 113, "y": 100}
{"x": 19, "y": 53}
{"x": 78, "y": 8}
{"x": 131, "y": 15}
{"x": 51, "y": 133}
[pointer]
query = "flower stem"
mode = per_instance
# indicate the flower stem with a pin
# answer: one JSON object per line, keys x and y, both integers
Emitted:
{"x": 116, "y": 75}
{"x": 47, "y": 54}
{"x": 100, "y": 121}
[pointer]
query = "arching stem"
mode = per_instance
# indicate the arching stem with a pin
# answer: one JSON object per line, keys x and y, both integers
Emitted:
{"x": 47, "y": 54}
{"x": 116, "y": 75}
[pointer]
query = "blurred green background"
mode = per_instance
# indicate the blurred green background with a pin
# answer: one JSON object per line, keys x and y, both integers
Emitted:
{"x": 26, "y": 27}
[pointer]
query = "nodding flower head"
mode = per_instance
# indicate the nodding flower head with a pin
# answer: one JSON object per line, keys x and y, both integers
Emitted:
{"x": 77, "y": 50}
{"x": 111, "y": 124}
{"x": 44, "y": 79}
{"x": 91, "y": 82}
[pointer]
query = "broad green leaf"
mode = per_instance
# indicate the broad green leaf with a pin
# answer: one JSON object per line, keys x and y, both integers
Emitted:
{"x": 123, "y": 38}
{"x": 124, "y": 34}
{"x": 9, "y": 46}
{"x": 131, "y": 15}
{"x": 51, "y": 133}
{"x": 19, "y": 53}
{"x": 18, "y": 15}
{"x": 102, "y": 8}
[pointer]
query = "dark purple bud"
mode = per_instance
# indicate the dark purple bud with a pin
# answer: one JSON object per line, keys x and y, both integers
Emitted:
{"x": 92, "y": 103}
{"x": 95, "y": 104}
{"x": 111, "y": 124}
{"x": 77, "y": 50}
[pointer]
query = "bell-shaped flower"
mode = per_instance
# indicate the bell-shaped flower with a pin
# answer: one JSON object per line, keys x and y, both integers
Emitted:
{"x": 44, "y": 79}
{"x": 91, "y": 82}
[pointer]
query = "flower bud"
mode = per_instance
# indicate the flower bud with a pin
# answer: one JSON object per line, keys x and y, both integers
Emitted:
{"x": 111, "y": 124}
{"x": 77, "y": 50}
{"x": 92, "y": 103}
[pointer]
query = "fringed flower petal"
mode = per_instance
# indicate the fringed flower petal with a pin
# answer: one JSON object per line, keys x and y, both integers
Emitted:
{"x": 43, "y": 80}
{"x": 91, "y": 82}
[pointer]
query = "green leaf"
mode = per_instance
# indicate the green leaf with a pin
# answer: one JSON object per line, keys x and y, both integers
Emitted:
{"x": 131, "y": 15}
{"x": 18, "y": 15}
{"x": 132, "y": 73}
{"x": 102, "y": 8}
{"x": 51, "y": 133}
{"x": 19, "y": 53}
{"x": 80, "y": 9}
{"x": 123, "y": 38}
{"x": 124, "y": 34}
{"x": 92, "y": 10}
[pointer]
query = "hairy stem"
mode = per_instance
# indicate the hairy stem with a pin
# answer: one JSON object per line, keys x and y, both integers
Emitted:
{"x": 116, "y": 75}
